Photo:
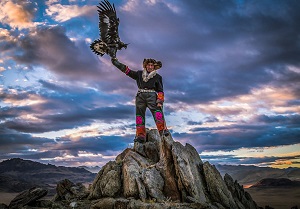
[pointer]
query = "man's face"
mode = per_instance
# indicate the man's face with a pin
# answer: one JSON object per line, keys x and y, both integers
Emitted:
{"x": 150, "y": 67}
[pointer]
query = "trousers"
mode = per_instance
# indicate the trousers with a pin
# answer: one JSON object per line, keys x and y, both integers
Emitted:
{"x": 142, "y": 101}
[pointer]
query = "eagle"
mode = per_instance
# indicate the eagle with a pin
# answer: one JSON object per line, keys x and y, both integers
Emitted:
{"x": 109, "y": 41}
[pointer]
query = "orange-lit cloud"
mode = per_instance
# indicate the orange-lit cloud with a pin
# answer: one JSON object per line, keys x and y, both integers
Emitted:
{"x": 18, "y": 100}
{"x": 282, "y": 164}
{"x": 264, "y": 100}
{"x": 6, "y": 36}
{"x": 15, "y": 15}
{"x": 83, "y": 132}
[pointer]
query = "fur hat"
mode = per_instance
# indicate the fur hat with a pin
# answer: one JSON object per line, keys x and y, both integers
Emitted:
{"x": 157, "y": 64}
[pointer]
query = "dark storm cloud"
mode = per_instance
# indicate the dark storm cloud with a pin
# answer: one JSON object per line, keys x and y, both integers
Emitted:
{"x": 9, "y": 112}
{"x": 284, "y": 120}
{"x": 50, "y": 47}
{"x": 193, "y": 123}
{"x": 80, "y": 116}
{"x": 13, "y": 141}
{"x": 216, "y": 50}
{"x": 66, "y": 107}
{"x": 209, "y": 49}
{"x": 238, "y": 136}
{"x": 101, "y": 144}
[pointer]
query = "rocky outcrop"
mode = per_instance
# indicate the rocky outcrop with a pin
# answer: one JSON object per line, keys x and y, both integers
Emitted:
{"x": 27, "y": 197}
{"x": 67, "y": 190}
{"x": 165, "y": 173}
{"x": 160, "y": 173}
{"x": 240, "y": 196}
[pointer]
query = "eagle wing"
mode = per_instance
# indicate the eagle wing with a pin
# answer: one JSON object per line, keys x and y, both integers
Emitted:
{"x": 108, "y": 23}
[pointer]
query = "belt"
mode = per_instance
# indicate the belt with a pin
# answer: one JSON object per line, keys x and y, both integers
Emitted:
{"x": 145, "y": 90}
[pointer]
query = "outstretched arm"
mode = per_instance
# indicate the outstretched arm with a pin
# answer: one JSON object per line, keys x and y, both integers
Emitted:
{"x": 125, "y": 69}
{"x": 118, "y": 64}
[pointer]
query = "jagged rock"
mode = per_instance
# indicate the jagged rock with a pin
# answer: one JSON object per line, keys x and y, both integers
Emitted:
{"x": 149, "y": 149}
{"x": 138, "y": 204}
{"x": 154, "y": 183}
{"x": 108, "y": 181}
{"x": 216, "y": 187}
{"x": 67, "y": 190}
{"x": 167, "y": 169}
{"x": 26, "y": 197}
{"x": 187, "y": 164}
{"x": 105, "y": 203}
{"x": 63, "y": 189}
{"x": 141, "y": 189}
{"x": 133, "y": 164}
{"x": 157, "y": 174}
{"x": 111, "y": 203}
{"x": 240, "y": 196}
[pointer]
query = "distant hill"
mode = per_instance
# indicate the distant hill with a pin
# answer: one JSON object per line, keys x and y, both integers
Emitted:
{"x": 280, "y": 182}
{"x": 249, "y": 175}
{"x": 17, "y": 175}
{"x": 93, "y": 169}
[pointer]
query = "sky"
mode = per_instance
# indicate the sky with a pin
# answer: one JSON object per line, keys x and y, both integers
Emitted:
{"x": 231, "y": 75}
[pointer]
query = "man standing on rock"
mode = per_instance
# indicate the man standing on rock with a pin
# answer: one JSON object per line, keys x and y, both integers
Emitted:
{"x": 150, "y": 94}
{"x": 149, "y": 82}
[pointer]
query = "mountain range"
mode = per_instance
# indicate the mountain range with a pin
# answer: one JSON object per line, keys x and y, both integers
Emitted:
{"x": 17, "y": 175}
{"x": 250, "y": 175}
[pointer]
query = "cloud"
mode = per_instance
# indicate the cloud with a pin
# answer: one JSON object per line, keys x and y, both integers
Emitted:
{"x": 62, "y": 13}
{"x": 86, "y": 150}
{"x": 213, "y": 56}
{"x": 66, "y": 107}
{"x": 51, "y": 48}
{"x": 230, "y": 72}
{"x": 5, "y": 36}
{"x": 234, "y": 137}
{"x": 16, "y": 15}
{"x": 15, "y": 142}
{"x": 273, "y": 161}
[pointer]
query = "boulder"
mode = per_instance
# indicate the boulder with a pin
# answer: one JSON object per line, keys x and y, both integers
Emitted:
{"x": 133, "y": 165}
{"x": 67, "y": 190}
{"x": 108, "y": 181}
{"x": 27, "y": 197}
{"x": 149, "y": 149}
{"x": 105, "y": 203}
{"x": 154, "y": 183}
